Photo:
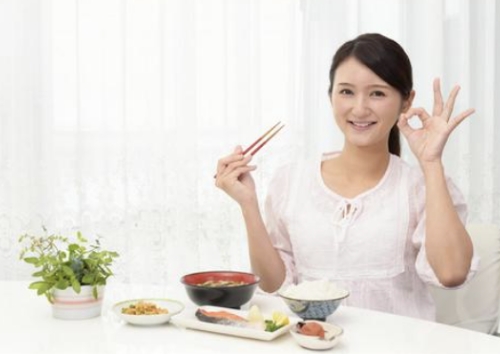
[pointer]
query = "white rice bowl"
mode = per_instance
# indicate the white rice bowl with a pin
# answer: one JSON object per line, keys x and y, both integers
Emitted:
{"x": 314, "y": 290}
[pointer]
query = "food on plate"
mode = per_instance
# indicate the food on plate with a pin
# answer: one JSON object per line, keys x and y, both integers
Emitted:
{"x": 254, "y": 315}
{"x": 279, "y": 320}
{"x": 254, "y": 319}
{"x": 143, "y": 308}
{"x": 221, "y": 283}
{"x": 220, "y": 317}
{"x": 314, "y": 290}
{"x": 311, "y": 329}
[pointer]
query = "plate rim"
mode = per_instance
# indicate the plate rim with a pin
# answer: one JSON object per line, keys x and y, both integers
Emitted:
{"x": 160, "y": 318}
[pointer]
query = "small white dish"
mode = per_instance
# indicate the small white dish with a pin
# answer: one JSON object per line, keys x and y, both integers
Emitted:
{"x": 332, "y": 336}
{"x": 173, "y": 306}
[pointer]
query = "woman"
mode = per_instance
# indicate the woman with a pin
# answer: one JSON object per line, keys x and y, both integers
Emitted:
{"x": 362, "y": 217}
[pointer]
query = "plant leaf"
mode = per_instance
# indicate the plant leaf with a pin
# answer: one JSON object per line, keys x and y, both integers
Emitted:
{"x": 68, "y": 271}
{"x": 40, "y": 273}
{"x": 73, "y": 247}
{"x": 41, "y": 287}
{"x": 76, "y": 286}
{"x": 88, "y": 279}
{"x": 62, "y": 284}
{"x": 37, "y": 285}
{"x": 31, "y": 260}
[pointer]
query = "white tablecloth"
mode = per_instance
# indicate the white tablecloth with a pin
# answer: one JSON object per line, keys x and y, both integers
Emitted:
{"x": 27, "y": 326}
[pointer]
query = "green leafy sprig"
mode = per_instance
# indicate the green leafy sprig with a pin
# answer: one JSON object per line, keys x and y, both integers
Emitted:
{"x": 272, "y": 326}
{"x": 62, "y": 264}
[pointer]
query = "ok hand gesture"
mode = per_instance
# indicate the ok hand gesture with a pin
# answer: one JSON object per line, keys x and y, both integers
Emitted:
{"x": 427, "y": 142}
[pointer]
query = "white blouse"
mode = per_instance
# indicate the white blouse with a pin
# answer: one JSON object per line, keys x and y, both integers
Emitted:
{"x": 371, "y": 245}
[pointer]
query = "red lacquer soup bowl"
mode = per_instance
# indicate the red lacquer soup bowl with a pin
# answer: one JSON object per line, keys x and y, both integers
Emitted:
{"x": 220, "y": 288}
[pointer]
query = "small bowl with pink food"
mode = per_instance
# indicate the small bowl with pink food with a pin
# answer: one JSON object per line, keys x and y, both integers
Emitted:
{"x": 316, "y": 335}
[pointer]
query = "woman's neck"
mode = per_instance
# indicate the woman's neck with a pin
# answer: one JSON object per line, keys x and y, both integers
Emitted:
{"x": 363, "y": 162}
{"x": 355, "y": 171}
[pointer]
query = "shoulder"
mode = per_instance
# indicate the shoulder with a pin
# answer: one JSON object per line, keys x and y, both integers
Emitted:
{"x": 295, "y": 173}
{"x": 412, "y": 174}
{"x": 415, "y": 181}
{"x": 308, "y": 166}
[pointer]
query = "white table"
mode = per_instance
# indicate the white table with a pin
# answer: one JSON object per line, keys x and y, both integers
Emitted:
{"x": 27, "y": 326}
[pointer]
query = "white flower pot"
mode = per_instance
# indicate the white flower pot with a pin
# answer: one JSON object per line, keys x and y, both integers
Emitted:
{"x": 68, "y": 305}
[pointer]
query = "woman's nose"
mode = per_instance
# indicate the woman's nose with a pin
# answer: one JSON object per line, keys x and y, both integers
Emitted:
{"x": 360, "y": 108}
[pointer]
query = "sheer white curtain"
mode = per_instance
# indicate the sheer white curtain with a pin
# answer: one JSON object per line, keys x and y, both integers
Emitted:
{"x": 113, "y": 113}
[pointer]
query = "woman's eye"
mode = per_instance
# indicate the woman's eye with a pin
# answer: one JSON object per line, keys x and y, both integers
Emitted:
{"x": 345, "y": 92}
{"x": 378, "y": 94}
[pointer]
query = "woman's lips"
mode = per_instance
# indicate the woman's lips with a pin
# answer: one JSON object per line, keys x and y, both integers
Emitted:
{"x": 362, "y": 125}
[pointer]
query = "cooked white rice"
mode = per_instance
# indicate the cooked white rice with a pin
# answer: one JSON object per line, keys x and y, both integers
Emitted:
{"x": 314, "y": 290}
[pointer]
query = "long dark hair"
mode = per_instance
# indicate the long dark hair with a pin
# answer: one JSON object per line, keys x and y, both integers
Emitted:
{"x": 388, "y": 60}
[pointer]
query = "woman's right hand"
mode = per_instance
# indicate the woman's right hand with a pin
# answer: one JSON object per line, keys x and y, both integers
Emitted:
{"x": 234, "y": 178}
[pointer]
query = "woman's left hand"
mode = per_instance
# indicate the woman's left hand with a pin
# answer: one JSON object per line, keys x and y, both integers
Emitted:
{"x": 427, "y": 142}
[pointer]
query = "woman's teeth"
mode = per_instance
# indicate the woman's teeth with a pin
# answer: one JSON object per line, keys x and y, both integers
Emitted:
{"x": 363, "y": 124}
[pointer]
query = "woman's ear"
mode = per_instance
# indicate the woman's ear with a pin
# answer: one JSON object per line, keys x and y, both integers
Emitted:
{"x": 408, "y": 102}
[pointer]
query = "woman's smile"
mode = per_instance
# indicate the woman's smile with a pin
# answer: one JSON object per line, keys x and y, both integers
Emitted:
{"x": 361, "y": 125}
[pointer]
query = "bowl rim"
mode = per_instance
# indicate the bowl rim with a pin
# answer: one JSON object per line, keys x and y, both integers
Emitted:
{"x": 341, "y": 297}
{"x": 255, "y": 276}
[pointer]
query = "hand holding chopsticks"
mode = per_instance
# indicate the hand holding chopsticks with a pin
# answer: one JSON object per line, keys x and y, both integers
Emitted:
{"x": 261, "y": 141}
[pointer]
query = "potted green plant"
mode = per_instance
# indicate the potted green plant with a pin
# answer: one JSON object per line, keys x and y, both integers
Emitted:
{"x": 72, "y": 273}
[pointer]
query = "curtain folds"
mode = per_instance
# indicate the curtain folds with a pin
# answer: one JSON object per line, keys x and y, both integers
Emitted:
{"x": 113, "y": 113}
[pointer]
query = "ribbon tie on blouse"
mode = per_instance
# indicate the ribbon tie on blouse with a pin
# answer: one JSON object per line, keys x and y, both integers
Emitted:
{"x": 344, "y": 216}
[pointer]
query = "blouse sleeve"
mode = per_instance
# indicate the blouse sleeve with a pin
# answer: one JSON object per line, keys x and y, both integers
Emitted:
{"x": 424, "y": 269}
{"x": 277, "y": 196}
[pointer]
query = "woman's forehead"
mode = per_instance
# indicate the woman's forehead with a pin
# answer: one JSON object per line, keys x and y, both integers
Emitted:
{"x": 352, "y": 72}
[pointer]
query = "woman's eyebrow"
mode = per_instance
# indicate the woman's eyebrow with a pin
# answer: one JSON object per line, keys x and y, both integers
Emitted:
{"x": 369, "y": 86}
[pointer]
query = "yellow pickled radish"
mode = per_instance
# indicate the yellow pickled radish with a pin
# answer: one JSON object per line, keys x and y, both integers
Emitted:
{"x": 254, "y": 315}
{"x": 280, "y": 319}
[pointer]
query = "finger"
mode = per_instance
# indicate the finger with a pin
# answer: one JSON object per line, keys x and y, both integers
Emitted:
{"x": 403, "y": 125}
{"x": 240, "y": 171}
{"x": 223, "y": 162}
{"x": 450, "y": 103}
{"x": 236, "y": 174}
{"x": 438, "y": 98}
{"x": 461, "y": 117}
{"x": 221, "y": 175}
{"x": 234, "y": 165}
{"x": 419, "y": 112}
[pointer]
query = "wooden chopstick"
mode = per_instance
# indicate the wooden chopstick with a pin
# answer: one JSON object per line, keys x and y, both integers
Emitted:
{"x": 265, "y": 141}
{"x": 264, "y": 136}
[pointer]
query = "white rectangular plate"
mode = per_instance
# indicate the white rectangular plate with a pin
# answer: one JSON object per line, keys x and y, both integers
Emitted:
{"x": 187, "y": 319}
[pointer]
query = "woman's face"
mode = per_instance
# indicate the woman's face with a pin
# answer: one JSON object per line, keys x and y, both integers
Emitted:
{"x": 364, "y": 106}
